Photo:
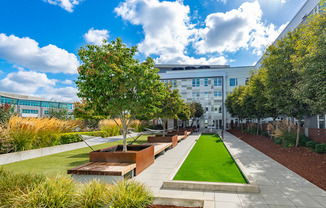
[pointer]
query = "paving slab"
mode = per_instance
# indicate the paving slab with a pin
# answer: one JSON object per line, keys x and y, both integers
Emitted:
{"x": 279, "y": 186}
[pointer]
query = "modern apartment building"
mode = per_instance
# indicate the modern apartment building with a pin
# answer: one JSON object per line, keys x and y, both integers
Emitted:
{"x": 206, "y": 84}
{"x": 30, "y": 106}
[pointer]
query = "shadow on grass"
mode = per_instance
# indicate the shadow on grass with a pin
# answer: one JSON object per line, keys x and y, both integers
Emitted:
{"x": 78, "y": 163}
{"x": 82, "y": 155}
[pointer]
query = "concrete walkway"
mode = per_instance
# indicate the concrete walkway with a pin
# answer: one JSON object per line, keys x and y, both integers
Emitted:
{"x": 279, "y": 186}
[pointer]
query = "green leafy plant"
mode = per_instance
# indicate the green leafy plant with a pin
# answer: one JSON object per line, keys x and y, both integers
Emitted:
{"x": 320, "y": 148}
{"x": 67, "y": 138}
{"x": 278, "y": 141}
{"x": 311, "y": 144}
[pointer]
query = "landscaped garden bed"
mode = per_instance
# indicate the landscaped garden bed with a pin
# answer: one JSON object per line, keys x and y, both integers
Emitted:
{"x": 302, "y": 160}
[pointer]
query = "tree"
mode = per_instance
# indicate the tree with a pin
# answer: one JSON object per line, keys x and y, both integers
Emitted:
{"x": 169, "y": 105}
{"x": 116, "y": 85}
{"x": 81, "y": 111}
{"x": 196, "y": 112}
{"x": 59, "y": 113}
{"x": 184, "y": 113}
{"x": 235, "y": 103}
{"x": 309, "y": 61}
{"x": 6, "y": 110}
{"x": 282, "y": 79}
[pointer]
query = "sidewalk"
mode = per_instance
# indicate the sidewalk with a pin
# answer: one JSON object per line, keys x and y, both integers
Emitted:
{"x": 279, "y": 186}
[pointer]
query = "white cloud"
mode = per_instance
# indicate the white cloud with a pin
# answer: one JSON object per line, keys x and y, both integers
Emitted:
{"x": 67, "y": 5}
{"x": 25, "y": 82}
{"x": 96, "y": 36}
{"x": 67, "y": 81}
{"x": 26, "y": 52}
{"x": 236, "y": 29}
{"x": 183, "y": 59}
{"x": 166, "y": 24}
{"x": 67, "y": 94}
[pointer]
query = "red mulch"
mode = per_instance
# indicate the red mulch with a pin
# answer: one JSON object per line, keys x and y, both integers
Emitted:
{"x": 168, "y": 206}
{"x": 301, "y": 160}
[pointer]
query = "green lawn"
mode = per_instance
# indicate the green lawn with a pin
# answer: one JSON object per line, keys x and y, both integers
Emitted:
{"x": 210, "y": 161}
{"x": 59, "y": 163}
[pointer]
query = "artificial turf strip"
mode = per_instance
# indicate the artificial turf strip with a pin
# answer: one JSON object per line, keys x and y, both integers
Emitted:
{"x": 210, "y": 161}
{"x": 59, "y": 163}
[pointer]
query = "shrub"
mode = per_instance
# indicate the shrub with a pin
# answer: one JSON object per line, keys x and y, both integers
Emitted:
{"x": 320, "y": 148}
{"x": 130, "y": 193}
{"x": 278, "y": 141}
{"x": 289, "y": 139}
{"x": 59, "y": 191}
{"x": 93, "y": 194}
{"x": 68, "y": 138}
{"x": 311, "y": 144}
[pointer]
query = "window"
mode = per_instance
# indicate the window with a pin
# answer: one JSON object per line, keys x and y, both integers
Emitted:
{"x": 28, "y": 111}
{"x": 206, "y": 82}
{"x": 50, "y": 104}
{"x": 30, "y": 103}
{"x": 195, "y": 82}
{"x": 195, "y": 95}
{"x": 46, "y": 112}
{"x": 247, "y": 80}
{"x": 217, "y": 81}
{"x": 233, "y": 82}
{"x": 218, "y": 94}
{"x": 206, "y": 95}
{"x": 206, "y": 109}
{"x": 8, "y": 100}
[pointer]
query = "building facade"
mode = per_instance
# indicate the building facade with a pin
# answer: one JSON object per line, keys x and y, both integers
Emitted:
{"x": 30, "y": 106}
{"x": 208, "y": 85}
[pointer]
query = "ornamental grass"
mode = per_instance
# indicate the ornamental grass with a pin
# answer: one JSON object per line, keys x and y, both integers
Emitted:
{"x": 31, "y": 132}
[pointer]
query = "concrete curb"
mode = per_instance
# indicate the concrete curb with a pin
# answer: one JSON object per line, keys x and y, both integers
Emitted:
{"x": 179, "y": 201}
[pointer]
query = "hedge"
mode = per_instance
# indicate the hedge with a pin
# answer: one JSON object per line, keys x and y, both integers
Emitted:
{"x": 67, "y": 138}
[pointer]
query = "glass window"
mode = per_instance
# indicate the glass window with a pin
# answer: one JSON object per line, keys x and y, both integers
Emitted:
{"x": 28, "y": 111}
{"x": 247, "y": 80}
{"x": 8, "y": 100}
{"x": 218, "y": 94}
{"x": 218, "y": 81}
{"x": 46, "y": 112}
{"x": 50, "y": 104}
{"x": 233, "y": 82}
{"x": 30, "y": 103}
{"x": 195, "y": 82}
{"x": 206, "y": 82}
{"x": 206, "y": 95}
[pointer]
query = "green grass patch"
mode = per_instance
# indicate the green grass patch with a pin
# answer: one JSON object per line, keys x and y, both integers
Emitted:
{"x": 210, "y": 161}
{"x": 59, "y": 163}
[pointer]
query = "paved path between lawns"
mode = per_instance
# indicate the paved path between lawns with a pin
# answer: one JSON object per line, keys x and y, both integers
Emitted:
{"x": 279, "y": 186}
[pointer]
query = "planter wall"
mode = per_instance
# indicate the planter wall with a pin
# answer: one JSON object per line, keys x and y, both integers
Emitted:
{"x": 183, "y": 133}
{"x": 158, "y": 139}
{"x": 142, "y": 155}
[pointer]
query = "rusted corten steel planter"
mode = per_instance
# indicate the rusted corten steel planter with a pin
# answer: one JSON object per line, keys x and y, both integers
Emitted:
{"x": 142, "y": 155}
{"x": 167, "y": 138}
{"x": 188, "y": 130}
{"x": 183, "y": 133}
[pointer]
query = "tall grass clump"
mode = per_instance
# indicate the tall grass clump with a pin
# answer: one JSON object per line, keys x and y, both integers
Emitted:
{"x": 14, "y": 185}
{"x": 32, "y": 190}
{"x": 93, "y": 194}
{"x": 30, "y": 133}
{"x": 110, "y": 127}
{"x": 59, "y": 191}
{"x": 130, "y": 193}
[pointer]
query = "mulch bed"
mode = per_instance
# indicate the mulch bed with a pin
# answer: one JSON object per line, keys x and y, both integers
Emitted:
{"x": 301, "y": 160}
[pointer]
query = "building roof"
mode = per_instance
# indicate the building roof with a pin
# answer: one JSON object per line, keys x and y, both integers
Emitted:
{"x": 17, "y": 96}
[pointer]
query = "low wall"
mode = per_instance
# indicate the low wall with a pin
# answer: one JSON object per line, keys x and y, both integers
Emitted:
{"x": 29, "y": 154}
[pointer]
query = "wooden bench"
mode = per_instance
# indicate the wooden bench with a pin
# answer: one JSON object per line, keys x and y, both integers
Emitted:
{"x": 160, "y": 147}
{"x": 180, "y": 137}
{"x": 103, "y": 168}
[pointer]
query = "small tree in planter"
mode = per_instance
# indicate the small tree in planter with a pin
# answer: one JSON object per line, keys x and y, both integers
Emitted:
{"x": 115, "y": 84}
{"x": 197, "y": 111}
{"x": 184, "y": 113}
{"x": 169, "y": 105}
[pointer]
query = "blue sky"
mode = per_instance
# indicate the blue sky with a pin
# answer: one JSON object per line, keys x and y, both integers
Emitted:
{"x": 39, "y": 39}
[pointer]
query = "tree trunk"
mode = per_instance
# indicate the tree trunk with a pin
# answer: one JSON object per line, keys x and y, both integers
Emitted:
{"x": 298, "y": 133}
{"x": 257, "y": 126}
{"x": 164, "y": 128}
{"x": 178, "y": 124}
